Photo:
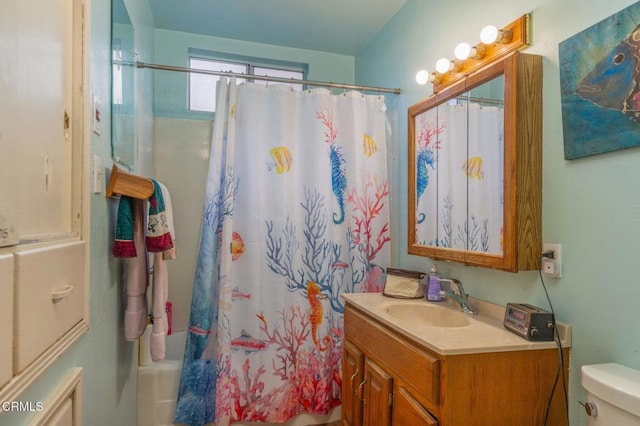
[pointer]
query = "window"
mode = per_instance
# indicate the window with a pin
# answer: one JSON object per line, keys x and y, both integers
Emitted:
{"x": 280, "y": 73}
{"x": 202, "y": 87}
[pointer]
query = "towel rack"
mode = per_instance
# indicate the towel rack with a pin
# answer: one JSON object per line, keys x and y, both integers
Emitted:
{"x": 128, "y": 184}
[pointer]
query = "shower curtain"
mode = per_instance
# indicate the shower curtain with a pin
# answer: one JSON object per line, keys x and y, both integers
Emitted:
{"x": 296, "y": 213}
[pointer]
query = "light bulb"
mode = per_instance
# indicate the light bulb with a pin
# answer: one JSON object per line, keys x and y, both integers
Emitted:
{"x": 443, "y": 65}
{"x": 489, "y": 34}
{"x": 462, "y": 51}
{"x": 422, "y": 77}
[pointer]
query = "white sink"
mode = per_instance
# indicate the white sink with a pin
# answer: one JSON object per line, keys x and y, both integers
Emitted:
{"x": 427, "y": 314}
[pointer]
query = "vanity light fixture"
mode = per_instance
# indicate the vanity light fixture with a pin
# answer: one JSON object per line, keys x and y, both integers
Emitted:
{"x": 436, "y": 77}
{"x": 465, "y": 51}
{"x": 462, "y": 51}
{"x": 478, "y": 52}
{"x": 443, "y": 65}
{"x": 490, "y": 34}
{"x": 495, "y": 44}
{"x": 422, "y": 77}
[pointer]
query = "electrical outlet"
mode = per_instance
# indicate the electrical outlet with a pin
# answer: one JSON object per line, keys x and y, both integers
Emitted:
{"x": 97, "y": 175}
{"x": 552, "y": 266}
{"x": 96, "y": 119}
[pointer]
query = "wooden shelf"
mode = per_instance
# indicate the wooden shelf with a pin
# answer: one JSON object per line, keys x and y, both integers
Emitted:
{"x": 128, "y": 184}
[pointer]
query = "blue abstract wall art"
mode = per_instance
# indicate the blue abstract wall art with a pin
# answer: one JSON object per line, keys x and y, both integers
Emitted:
{"x": 600, "y": 86}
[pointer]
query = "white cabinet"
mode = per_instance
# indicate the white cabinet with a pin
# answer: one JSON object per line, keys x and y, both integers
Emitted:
{"x": 43, "y": 188}
{"x": 38, "y": 117}
{"x": 64, "y": 406}
{"x": 49, "y": 297}
{"x": 63, "y": 416}
{"x": 6, "y": 317}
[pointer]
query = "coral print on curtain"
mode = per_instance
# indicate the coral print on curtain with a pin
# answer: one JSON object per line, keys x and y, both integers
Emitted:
{"x": 296, "y": 213}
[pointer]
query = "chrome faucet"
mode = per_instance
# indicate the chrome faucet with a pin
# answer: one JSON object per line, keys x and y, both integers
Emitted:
{"x": 458, "y": 294}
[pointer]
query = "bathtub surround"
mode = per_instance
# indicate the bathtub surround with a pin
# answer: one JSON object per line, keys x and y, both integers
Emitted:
{"x": 158, "y": 385}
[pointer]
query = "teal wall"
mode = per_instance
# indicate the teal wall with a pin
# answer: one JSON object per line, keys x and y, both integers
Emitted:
{"x": 172, "y": 49}
{"x": 591, "y": 205}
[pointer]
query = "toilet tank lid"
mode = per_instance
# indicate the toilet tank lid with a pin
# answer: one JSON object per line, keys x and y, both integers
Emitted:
{"x": 615, "y": 384}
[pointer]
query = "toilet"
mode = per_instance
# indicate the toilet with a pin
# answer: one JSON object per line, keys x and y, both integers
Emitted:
{"x": 613, "y": 394}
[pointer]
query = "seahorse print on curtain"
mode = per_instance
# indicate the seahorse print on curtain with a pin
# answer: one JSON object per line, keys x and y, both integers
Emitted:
{"x": 338, "y": 166}
{"x": 427, "y": 143}
{"x": 425, "y": 159}
{"x": 338, "y": 180}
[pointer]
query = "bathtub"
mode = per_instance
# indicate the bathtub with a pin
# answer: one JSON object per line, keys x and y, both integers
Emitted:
{"x": 158, "y": 383}
{"x": 158, "y": 389}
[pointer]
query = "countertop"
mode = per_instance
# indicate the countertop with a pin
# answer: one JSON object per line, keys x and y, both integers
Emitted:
{"x": 484, "y": 333}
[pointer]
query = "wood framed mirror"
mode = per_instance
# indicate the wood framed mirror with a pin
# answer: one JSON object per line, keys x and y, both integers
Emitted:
{"x": 475, "y": 168}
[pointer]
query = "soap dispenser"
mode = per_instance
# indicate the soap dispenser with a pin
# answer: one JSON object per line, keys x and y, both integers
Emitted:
{"x": 433, "y": 285}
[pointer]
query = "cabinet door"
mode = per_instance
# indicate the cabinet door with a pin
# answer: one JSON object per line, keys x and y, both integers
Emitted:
{"x": 40, "y": 90}
{"x": 6, "y": 318}
{"x": 378, "y": 388}
{"x": 63, "y": 416}
{"x": 64, "y": 406}
{"x": 352, "y": 373}
{"x": 408, "y": 411}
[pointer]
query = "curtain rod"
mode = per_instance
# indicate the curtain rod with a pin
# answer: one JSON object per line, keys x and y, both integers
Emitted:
{"x": 139, "y": 64}
{"x": 480, "y": 100}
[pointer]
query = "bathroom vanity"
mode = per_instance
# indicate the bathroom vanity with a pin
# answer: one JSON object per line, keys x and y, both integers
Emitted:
{"x": 411, "y": 362}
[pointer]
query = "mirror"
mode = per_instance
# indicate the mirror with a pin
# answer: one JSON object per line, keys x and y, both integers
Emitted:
{"x": 123, "y": 135}
{"x": 475, "y": 168}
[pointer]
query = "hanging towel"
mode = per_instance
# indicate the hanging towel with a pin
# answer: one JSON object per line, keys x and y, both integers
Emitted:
{"x": 124, "y": 245}
{"x": 133, "y": 243}
{"x": 158, "y": 236}
{"x": 158, "y": 228}
{"x": 161, "y": 285}
{"x": 135, "y": 315}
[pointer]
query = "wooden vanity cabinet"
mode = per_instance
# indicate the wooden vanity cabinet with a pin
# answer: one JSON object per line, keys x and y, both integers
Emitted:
{"x": 352, "y": 373}
{"x": 377, "y": 393}
{"x": 404, "y": 383}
